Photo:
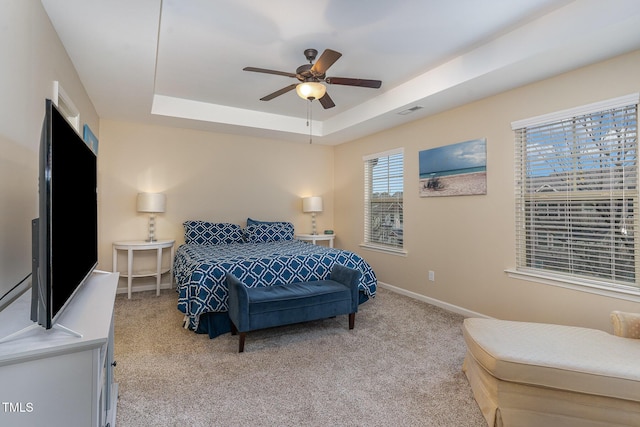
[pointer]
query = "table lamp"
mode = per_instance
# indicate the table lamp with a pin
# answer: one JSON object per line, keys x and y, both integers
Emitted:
{"x": 313, "y": 205}
{"x": 152, "y": 203}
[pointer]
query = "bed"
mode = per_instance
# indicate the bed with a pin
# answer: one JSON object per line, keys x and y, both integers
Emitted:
{"x": 262, "y": 254}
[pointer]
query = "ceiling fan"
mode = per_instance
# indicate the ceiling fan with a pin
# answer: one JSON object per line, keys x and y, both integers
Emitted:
{"x": 311, "y": 75}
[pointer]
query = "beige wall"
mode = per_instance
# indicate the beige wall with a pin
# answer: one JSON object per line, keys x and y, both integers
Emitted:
{"x": 208, "y": 176}
{"x": 32, "y": 58}
{"x": 468, "y": 241}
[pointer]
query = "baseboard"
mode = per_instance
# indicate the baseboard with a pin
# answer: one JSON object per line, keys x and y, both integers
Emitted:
{"x": 142, "y": 288}
{"x": 444, "y": 305}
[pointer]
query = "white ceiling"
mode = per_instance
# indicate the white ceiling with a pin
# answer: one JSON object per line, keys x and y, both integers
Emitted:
{"x": 179, "y": 62}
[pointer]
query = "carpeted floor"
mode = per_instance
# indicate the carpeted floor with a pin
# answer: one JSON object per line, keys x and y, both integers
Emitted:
{"x": 400, "y": 366}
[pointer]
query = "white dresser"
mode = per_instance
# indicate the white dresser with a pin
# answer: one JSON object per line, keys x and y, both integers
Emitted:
{"x": 52, "y": 378}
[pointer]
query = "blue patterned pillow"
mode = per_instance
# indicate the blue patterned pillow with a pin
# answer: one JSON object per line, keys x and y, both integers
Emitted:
{"x": 251, "y": 221}
{"x": 269, "y": 232}
{"x": 211, "y": 233}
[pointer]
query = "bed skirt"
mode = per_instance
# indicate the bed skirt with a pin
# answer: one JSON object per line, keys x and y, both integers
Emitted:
{"x": 214, "y": 324}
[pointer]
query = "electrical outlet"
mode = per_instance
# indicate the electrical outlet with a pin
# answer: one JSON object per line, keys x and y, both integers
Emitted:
{"x": 432, "y": 276}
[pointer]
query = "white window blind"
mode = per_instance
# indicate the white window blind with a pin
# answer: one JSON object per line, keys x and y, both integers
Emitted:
{"x": 577, "y": 195}
{"x": 383, "y": 196}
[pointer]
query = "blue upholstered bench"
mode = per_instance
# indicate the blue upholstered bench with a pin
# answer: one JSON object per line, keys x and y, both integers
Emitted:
{"x": 268, "y": 306}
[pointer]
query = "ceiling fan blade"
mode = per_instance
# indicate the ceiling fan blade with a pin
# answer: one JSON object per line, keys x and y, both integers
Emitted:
{"x": 264, "y": 70}
{"x": 279, "y": 92}
{"x": 374, "y": 84}
{"x": 325, "y": 61}
{"x": 326, "y": 101}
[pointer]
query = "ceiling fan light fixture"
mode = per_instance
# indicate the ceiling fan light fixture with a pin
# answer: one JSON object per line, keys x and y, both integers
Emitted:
{"x": 311, "y": 90}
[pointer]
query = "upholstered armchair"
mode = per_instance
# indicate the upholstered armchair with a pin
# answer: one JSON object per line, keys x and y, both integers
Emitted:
{"x": 535, "y": 374}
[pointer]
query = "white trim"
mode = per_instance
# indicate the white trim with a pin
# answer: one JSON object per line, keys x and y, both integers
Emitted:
{"x": 384, "y": 249}
{"x": 383, "y": 154}
{"x": 588, "y": 286}
{"x": 621, "y": 101}
{"x": 66, "y": 105}
{"x": 444, "y": 305}
{"x": 143, "y": 288}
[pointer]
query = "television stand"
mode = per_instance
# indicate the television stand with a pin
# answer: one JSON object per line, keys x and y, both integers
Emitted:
{"x": 19, "y": 333}
{"x": 33, "y": 326}
{"x": 70, "y": 331}
{"x": 75, "y": 355}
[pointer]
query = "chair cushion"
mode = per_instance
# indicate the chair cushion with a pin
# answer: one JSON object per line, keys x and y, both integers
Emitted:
{"x": 274, "y": 298}
{"x": 561, "y": 357}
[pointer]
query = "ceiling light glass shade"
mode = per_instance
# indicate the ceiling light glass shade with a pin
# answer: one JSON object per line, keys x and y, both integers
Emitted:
{"x": 311, "y": 90}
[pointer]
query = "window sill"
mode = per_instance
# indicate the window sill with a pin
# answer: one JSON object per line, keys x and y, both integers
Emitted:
{"x": 627, "y": 293}
{"x": 384, "y": 249}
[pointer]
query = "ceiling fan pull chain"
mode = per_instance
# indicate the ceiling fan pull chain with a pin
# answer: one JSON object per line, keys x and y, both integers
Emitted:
{"x": 310, "y": 120}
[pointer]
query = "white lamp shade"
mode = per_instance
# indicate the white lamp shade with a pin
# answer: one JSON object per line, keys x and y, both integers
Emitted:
{"x": 312, "y": 204}
{"x": 311, "y": 90}
{"x": 152, "y": 202}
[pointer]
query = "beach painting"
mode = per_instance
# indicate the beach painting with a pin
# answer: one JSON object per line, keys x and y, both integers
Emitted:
{"x": 454, "y": 170}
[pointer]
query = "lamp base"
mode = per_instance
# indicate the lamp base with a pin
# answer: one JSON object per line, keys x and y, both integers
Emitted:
{"x": 313, "y": 223}
{"x": 152, "y": 229}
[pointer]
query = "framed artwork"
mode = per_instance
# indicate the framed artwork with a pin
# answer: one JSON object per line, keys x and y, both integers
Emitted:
{"x": 454, "y": 170}
{"x": 90, "y": 138}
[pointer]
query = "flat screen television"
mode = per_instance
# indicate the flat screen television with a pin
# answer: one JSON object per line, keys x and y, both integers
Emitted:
{"x": 65, "y": 236}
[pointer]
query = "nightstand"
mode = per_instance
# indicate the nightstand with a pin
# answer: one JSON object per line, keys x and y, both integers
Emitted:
{"x": 142, "y": 245}
{"x": 313, "y": 238}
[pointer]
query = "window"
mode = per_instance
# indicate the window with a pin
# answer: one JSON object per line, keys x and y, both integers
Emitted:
{"x": 577, "y": 195}
{"x": 383, "y": 200}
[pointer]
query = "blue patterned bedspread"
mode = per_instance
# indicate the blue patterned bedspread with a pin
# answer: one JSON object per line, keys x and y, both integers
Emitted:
{"x": 200, "y": 270}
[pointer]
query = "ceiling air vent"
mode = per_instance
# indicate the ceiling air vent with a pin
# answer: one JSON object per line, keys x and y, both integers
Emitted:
{"x": 410, "y": 110}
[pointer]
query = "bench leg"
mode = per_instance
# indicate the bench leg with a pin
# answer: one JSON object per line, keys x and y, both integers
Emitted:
{"x": 352, "y": 320}
{"x": 241, "y": 342}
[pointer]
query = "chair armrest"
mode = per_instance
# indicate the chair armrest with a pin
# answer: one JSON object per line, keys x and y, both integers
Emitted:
{"x": 626, "y": 325}
{"x": 238, "y": 302}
